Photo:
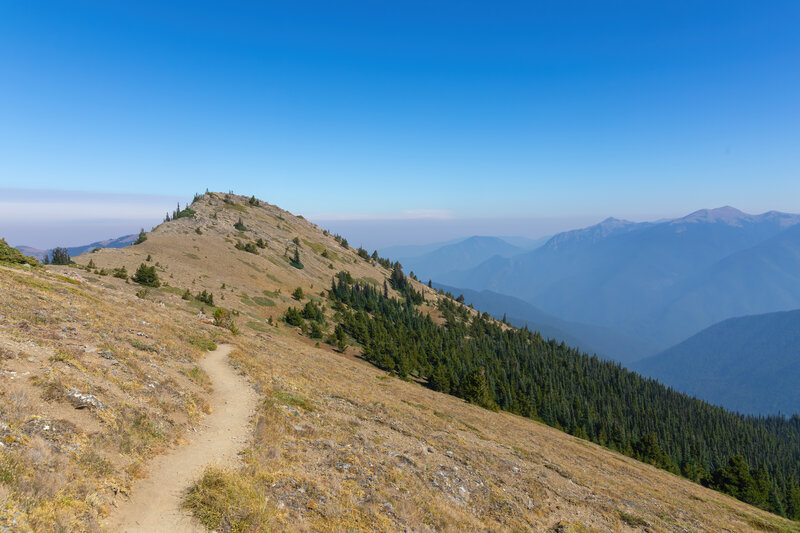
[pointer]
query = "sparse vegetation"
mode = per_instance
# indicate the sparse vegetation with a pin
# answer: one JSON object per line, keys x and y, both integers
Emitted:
{"x": 141, "y": 238}
{"x": 205, "y": 297}
{"x": 121, "y": 273}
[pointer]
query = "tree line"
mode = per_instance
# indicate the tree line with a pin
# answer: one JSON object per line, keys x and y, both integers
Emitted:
{"x": 756, "y": 459}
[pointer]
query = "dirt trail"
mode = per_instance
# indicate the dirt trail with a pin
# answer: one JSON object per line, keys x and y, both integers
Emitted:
{"x": 155, "y": 501}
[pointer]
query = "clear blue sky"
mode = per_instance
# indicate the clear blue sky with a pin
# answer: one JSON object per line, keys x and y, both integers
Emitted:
{"x": 361, "y": 110}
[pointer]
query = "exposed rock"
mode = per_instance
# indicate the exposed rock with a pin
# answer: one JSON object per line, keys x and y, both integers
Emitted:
{"x": 80, "y": 400}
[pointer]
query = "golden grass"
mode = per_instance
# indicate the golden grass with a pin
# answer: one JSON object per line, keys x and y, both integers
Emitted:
{"x": 337, "y": 445}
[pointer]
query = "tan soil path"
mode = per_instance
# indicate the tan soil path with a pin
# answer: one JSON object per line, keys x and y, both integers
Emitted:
{"x": 154, "y": 505}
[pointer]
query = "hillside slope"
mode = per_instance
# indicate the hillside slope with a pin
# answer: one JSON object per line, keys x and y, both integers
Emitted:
{"x": 750, "y": 364}
{"x": 337, "y": 444}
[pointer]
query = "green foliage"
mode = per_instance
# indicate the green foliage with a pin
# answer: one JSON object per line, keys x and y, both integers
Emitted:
{"x": 363, "y": 254}
{"x": 400, "y": 283}
{"x": 182, "y": 213}
{"x": 60, "y": 257}
{"x": 254, "y": 201}
{"x": 298, "y": 294}
{"x": 240, "y": 225}
{"x": 224, "y": 319}
{"x": 14, "y": 256}
{"x": 203, "y": 343}
{"x": 311, "y": 311}
{"x": 142, "y": 237}
{"x": 295, "y": 262}
{"x": 146, "y": 275}
{"x": 339, "y": 338}
{"x": 121, "y": 272}
{"x": 341, "y": 240}
{"x": 261, "y": 243}
{"x": 294, "y": 317}
{"x": 186, "y": 295}
{"x": 475, "y": 389}
{"x": 247, "y": 247}
{"x": 316, "y": 331}
{"x": 205, "y": 297}
{"x": 488, "y": 363}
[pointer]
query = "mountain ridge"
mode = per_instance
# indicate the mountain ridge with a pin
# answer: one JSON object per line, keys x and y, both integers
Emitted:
{"x": 327, "y": 422}
{"x": 749, "y": 364}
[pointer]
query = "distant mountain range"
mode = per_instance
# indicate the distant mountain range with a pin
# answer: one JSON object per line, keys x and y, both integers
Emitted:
{"x": 606, "y": 343}
{"x": 655, "y": 281}
{"x": 434, "y": 261}
{"x": 750, "y": 364}
{"x": 74, "y": 251}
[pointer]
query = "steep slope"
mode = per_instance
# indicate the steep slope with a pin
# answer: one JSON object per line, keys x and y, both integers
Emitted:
{"x": 605, "y": 342}
{"x": 626, "y": 275}
{"x": 337, "y": 444}
{"x": 750, "y": 364}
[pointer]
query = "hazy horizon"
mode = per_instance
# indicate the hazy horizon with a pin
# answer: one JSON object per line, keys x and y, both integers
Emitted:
{"x": 552, "y": 115}
{"x": 74, "y": 218}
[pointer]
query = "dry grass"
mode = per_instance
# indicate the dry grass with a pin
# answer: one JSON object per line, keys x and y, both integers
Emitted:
{"x": 61, "y": 467}
{"x": 337, "y": 445}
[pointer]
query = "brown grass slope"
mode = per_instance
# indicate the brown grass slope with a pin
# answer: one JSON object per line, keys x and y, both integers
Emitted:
{"x": 336, "y": 444}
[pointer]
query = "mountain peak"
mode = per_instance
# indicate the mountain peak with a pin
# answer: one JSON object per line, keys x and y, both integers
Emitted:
{"x": 726, "y": 214}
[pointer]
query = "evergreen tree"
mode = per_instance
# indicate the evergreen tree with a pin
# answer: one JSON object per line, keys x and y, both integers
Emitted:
{"x": 146, "y": 275}
{"x": 141, "y": 238}
{"x": 61, "y": 257}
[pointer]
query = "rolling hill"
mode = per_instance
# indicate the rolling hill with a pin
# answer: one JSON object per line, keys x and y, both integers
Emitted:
{"x": 103, "y": 368}
{"x": 750, "y": 364}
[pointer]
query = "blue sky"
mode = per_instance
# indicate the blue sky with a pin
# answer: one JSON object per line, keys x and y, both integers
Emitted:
{"x": 524, "y": 115}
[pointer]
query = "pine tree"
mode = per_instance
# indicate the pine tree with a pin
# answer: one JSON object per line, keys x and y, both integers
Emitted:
{"x": 61, "y": 256}
{"x": 146, "y": 275}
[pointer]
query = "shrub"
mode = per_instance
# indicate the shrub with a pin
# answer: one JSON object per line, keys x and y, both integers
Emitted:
{"x": 298, "y": 294}
{"x": 240, "y": 225}
{"x": 146, "y": 275}
{"x": 224, "y": 319}
{"x": 12, "y": 255}
{"x": 187, "y": 295}
{"x": 121, "y": 273}
{"x": 246, "y": 247}
{"x": 254, "y": 201}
